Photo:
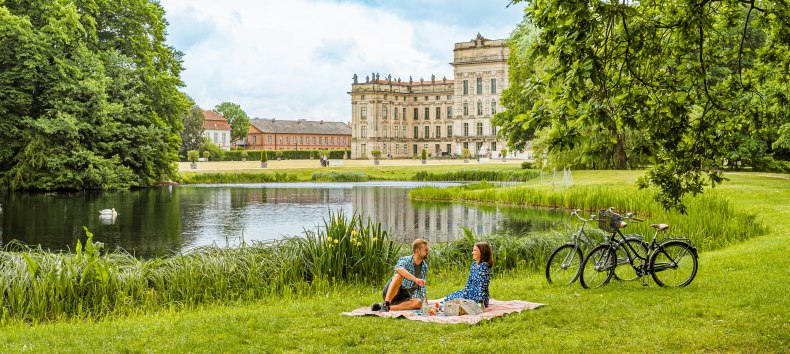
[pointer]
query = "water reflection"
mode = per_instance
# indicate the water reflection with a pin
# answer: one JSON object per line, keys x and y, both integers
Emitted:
{"x": 159, "y": 221}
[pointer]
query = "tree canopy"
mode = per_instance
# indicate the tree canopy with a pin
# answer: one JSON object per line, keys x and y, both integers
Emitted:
{"x": 192, "y": 135}
{"x": 694, "y": 81}
{"x": 88, "y": 95}
{"x": 237, "y": 118}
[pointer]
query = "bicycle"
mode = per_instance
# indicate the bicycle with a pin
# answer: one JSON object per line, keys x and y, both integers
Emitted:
{"x": 671, "y": 261}
{"x": 565, "y": 263}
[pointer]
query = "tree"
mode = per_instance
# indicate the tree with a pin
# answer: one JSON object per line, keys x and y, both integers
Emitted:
{"x": 88, "y": 95}
{"x": 692, "y": 77}
{"x": 237, "y": 118}
{"x": 192, "y": 135}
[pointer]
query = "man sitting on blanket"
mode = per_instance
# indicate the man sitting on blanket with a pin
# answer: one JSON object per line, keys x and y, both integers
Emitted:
{"x": 406, "y": 289}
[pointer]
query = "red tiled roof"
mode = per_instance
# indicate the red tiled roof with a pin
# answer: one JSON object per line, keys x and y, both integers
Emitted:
{"x": 214, "y": 121}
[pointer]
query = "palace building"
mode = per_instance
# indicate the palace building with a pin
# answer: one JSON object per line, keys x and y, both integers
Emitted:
{"x": 442, "y": 116}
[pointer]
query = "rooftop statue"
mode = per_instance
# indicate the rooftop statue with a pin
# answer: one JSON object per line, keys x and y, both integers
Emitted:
{"x": 355, "y": 78}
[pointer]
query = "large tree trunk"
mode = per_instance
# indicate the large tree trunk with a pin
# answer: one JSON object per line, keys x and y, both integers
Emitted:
{"x": 620, "y": 155}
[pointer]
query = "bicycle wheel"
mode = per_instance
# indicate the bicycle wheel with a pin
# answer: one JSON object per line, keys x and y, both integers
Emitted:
{"x": 564, "y": 264}
{"x": 674, "y": 264}
{"x": 598, "y": 267}
{"x": 637, "y": 251}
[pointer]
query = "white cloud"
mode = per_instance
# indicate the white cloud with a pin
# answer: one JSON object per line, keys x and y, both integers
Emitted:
{"x": 295, "y": 59}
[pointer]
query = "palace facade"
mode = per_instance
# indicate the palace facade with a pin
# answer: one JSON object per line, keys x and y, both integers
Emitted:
{"x": 442, "y": 116}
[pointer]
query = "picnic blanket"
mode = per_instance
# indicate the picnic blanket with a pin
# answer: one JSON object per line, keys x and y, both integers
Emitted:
{"x": 495, "y": 308}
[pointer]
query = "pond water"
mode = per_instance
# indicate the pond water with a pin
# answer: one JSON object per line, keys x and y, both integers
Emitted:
{"x": 159, "y": 221}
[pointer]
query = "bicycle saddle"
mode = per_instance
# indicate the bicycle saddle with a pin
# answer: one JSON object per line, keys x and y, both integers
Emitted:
{"x": 660, "y": 226}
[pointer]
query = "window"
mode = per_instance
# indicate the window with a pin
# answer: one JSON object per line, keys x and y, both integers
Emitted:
{"x": 449, "y": 97}
{"x": 224, "y": 137}
{"x": 415, "y": 154}
{"x": 404, "y": 111}
{"x": 478, "y": 147}
{"x": 255, "y": 139}
{"x": 281, "y": 140}
{"x": 479, "y": 129}
{"x": 493, "y": 130}
{"x": 301, "y": 141}
{"x": 333, "y": 140}
{"x": 397, "y": 149}
{"x": 493, "y": 107}
{"x": 415, "y": 98}
{"x": 438, "y": 112}
{"x": 395, "y": 111}
{"x": 437, "y": 149}
{"x": 395, "y": 132}
{"x": 385, "y": 149}
{"x": 449, "y": 131}
{"x": 466, "y": 109}
{"x": 363, "y": 150}
{"x": 449, "y": 112}
{"x": 493, "y": 146}
{"x": 449, "y": 148}
{"x": 216, "y": 138}
{"x": 404, "y": 135}
{"x": 427, "y": 132}
{"x": 385, "y": 131}
{"x": 270, "y": 138}
{"x": 288, "y": 140}
{"x": 466, "y": 129}
{"x": 466, "y": 145}
{"x": 466, "y": 87}
{"x": 313, "y": 140}
{"x": 363, "y": 112}
{"x": 416, "y": 132}
{"x": 438, "y": 131}
{"x": 363, "y": 97}
{"x": 479, "y": 108}
{"x": 416, "y": 113}
{"x": 363, "y": 133}
{"x": 427, "y": 113}
{"x": 479, "y": 85}
{"x": 493, "y": 85}
{"x": 345, "y": 142}
{"x": 320, "y": 140}
{"x": 384, "y": 112}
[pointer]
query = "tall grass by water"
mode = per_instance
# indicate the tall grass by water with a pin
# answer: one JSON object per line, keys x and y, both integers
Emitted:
{"x": 478, "y": 175}
{"x": 237, "y": 177}
{"x": 339, "y": 177}
{"x": 711, "y": 221}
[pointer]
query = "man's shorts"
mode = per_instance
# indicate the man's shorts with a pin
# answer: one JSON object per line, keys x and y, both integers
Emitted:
{"x": 403, "y": 295}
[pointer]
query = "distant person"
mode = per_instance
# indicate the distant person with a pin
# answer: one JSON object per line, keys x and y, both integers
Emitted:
{"x": 476, "y": 288}
{"x": 406, "y": 289}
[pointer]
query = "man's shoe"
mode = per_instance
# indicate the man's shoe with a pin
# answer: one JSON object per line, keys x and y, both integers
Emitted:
{"x": 384, "y": 308}
{"x": 375, "y": 307}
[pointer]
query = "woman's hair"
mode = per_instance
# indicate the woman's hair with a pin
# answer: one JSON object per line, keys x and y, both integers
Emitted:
{"x": 485, "y": 253}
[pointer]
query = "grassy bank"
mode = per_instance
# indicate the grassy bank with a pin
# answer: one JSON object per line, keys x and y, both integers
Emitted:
{"x": 737, "y": 303}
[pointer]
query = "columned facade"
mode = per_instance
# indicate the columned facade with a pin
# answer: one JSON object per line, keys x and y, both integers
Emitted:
{"x": 442, "y": 116}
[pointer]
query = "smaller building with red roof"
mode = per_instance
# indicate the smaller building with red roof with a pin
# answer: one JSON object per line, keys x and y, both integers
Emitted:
{"x": 216, "y": 129}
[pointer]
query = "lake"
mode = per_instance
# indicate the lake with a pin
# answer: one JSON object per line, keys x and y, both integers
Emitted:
{"x": 159, "y": 221}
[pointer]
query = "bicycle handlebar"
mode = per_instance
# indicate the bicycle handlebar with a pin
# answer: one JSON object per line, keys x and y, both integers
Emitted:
{"x": 575, "y": 212}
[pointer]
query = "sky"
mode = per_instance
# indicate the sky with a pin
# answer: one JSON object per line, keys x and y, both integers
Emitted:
{"x": 295, "y": 59}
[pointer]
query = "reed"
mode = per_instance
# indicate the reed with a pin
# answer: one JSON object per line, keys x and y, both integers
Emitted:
{"x": 711, "y": 221}
{"x": 339, "y": 177}
{"x": 478, "y": 175}
{"x": 237, "y": 177}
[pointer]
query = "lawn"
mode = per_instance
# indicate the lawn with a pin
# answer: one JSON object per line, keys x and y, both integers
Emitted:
{"x": 737, "y": 303}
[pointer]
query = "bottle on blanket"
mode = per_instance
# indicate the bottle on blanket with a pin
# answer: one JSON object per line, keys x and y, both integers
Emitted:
{"x": 425, "y": 310}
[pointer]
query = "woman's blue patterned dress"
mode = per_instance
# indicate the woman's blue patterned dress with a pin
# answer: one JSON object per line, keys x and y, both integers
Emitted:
{"x": 476, "y": 288}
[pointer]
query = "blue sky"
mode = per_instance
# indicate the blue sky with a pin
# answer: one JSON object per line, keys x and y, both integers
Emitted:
{"x": 295, "y": 59}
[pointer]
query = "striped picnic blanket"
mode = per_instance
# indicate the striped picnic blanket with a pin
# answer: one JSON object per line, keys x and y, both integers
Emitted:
{"x": 495, "y": 308}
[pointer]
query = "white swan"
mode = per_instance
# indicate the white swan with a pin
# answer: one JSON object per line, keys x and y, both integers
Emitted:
{"x": 108, "y": 212}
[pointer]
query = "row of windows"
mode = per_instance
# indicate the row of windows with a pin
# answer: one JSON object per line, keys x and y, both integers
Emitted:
{"x": 437, "y": 148}
{"x": 479, "y": 86}
{"x": 449, "y": 97}
{"x": 216, "y": 140}
{"x": 479, "y": 108}
{"x": 363, "y": 113}
{"x": 426, "y": 131}
{"x": 304, "y": 140}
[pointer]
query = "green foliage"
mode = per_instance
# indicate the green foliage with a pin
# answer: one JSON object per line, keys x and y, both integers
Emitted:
{"x": 339, "y": 177}
{"x": 465, "y": 153}
{"x": 528, "y": 165}
{"x": 279, "y": 154}
{"x": 477, "y": 175}
{"x": 243, "y": 154}
{"x": 192, "y": 156}
{"x": 423, "y": 155}
{"x": 688, "y": 81}
{"x": 88, "y": 94}
{"x": 236, "y": 177}
{"x": 192, "y": 135}
{"x": 265, "y": 156}
{"x": 376, "y": 154}
{"x": 237, "y": 119}
{"x": 206, "y": 154}
{"x": 214, "y": 151}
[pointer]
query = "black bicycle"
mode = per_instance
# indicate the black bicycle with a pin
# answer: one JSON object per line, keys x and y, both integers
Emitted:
{"x": 565, "y": 263}
{"x": 671, "y": 261}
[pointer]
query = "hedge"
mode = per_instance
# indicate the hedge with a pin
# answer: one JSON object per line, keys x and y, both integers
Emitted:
{"x": 255, "y": 155}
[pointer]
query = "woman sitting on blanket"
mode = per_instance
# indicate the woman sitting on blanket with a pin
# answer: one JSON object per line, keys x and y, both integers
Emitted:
{"x": 476, "y": 288}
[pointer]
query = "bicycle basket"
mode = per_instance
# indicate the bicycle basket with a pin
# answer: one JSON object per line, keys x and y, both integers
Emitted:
{"x": 608, "y": 221}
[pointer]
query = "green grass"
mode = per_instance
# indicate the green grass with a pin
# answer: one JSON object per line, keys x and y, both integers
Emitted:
{"x": 335, "y": 176}
{"x": 478, "y": 175}
{"x": 737, "y": 303}
{"x": 237, "y": 177}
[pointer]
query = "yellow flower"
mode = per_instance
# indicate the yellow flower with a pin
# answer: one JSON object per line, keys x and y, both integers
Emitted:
{"x": 328, "y": 239}
{"x": 354, "y": 233}
{"x": 359, "y": 243}
{"x": 353, "y": 240}
{"x": 336, "y": 241}
{"x": 375, "y": 239}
